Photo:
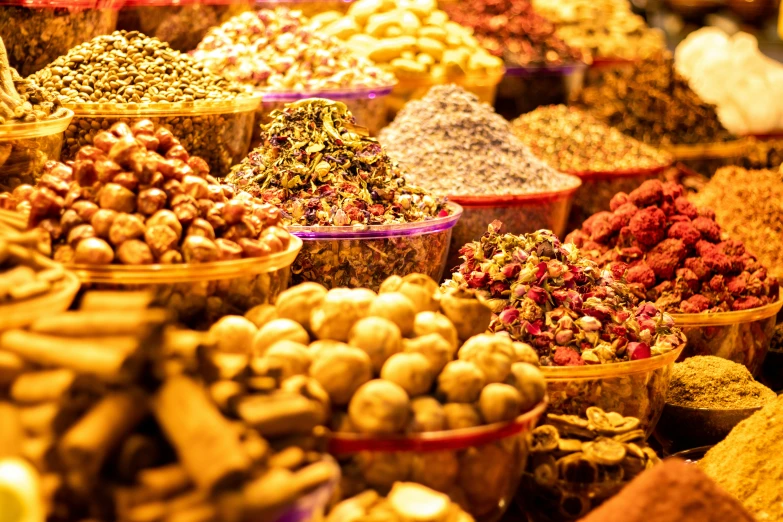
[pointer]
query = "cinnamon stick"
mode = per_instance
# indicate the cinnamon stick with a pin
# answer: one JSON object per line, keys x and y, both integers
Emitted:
{"x": 279, "y": 413}
{"x": 11, "y": 366}
{"x": 97, "y": 323}
{"x": 50, "y": 417}
{"x": 166, "y": 481}
{"x": 205, "y": 441}
{"x": 109, "y": 300}
{"x": 85, "y": 446}
{"x": 11, "y": 435}
{"x": 42, "y": 386}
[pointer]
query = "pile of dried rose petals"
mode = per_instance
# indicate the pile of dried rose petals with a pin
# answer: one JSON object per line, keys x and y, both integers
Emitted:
{"x": 673, "y": 253}
{"x": 547, "y": 294}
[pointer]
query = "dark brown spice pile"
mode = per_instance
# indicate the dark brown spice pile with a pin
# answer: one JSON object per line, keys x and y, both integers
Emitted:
{"x": 713, "y": 382}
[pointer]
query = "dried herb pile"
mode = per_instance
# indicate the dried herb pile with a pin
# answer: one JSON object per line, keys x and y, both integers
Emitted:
{"x": 514, "y": 31}
{"x": 749, "y": 462}
{"x": 749, "y": 207}
{"x": 674, "y": 254}
{"x": 572, "y": 140}
{"x": 277, "y": 50}
{"x": 320, "y": 169}
{"x": 651, "y": 102}
{"x": 713, "y": 382}
{"x": 453, "y": 144}
{"x": 549, "y": 295}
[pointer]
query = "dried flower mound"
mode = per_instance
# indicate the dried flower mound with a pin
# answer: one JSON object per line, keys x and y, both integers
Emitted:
{"x": 547, "y": 294}
{"x": 137, "y": 197}
{"x": 277, "y": 50}
{"x": 320, "y": 169}
{"x": 675, "y": 254}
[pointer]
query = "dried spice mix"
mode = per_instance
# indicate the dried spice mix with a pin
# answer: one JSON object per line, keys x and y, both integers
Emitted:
{"x": 549, "y": 295}
{"x": 572, "y": 140}
{"x": 453, "y": 144}
{"x": 673, "y": 253}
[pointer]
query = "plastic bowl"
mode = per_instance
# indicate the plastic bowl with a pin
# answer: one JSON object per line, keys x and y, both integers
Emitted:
{"x": 743, "y": 337}
{"x": 522, "y": 213}
{"x": 25, "y": 312}
{"x": 26, "y": 147}
{"x": 364, "y": 256}
{"x": 525, "y": 88}
{"x": 309, "y": 8}
{"x": 180, "y": 23}
{"x": 200, "y": 294}
{"x": 683, "y": 427}
{"x": 479, "y": 468}
{"x": 217, "y": 131}
{"x": 562, "y": 501}
{"x": 484, "y": 86}
{"x": 367, "y": 104}
{"x": 692, "y": 456}
{"x": 634, "y": 388}
{"x": 36, "y": 32}
{"x": 311, "y": 507}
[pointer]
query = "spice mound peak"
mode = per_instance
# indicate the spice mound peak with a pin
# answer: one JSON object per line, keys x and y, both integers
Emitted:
{"x": 545, "y": 293}
{"x": 320, "y": 168}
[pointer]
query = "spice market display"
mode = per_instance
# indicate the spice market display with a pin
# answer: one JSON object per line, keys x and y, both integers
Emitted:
{"x": 387, "y": 261}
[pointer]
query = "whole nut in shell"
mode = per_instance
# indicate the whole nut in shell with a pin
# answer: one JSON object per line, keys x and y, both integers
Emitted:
{"x": 493, "y": 354}
{"x": 411, "y": 371}
{"x": 310, "y": 388}
{"x": 530, "y": 383}
{"x": 291, "y": 357}
{"x": 297, "y": 303}
{"x": 397, "y": 308}
{"x": 523, "y": 352}
{"x": 461, "y": 415}
{"x": 261, "y": 314}
{"x": 379, "y": 407}
{"x": 460, "y": 381}
{"x": 426, "y": 415}
{"x": 233, "y": 334}
{"x": 432, "y": 346}
{"x": 421, "y": 289}
{"x": 499, "y": 402}
{"x": 340, "y": 309}
{"x": 93, "y": 251}
{"x": 341, "y": 370}
{"x": 135, "y": 252}
{"x": 433, "y": 322}
{"x": 378, "y": 337}
{"x": 468, "y": 314}
{"x": 278, "y": 330}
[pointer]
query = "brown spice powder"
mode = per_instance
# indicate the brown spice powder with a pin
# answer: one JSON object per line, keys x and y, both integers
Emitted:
{"x": 706, "y": 381}
{"x": 749, "y": 462}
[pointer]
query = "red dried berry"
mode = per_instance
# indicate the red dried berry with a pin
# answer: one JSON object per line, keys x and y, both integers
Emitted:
{"x": 649, "y": 193}
{"x": 708, "y": 228}
{"x": 648, "y": 226}
{"x": 685, "y": 232}
{"x": 641, "y": 273}
{"x": 695, "y": 304}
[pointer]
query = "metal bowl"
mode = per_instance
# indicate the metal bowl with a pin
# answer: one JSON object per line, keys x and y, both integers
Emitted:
{"x": 682, "y": 427}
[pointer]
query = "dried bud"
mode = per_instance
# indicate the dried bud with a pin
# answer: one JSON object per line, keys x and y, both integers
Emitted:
{"x": 150, "y": 201}
{"x": 102, "y": 220}
{"x": 198, "y": 249}
{"x": 167, "y": 218}
{"x": 93, "y": 251}
{"x": 201, "y": 227}
{"x": 134, "y": 252}
{"x": 80, "y": 232}
{"x": 116, "y": 197}
{"x": 160, "y": 239}
{"x": 125, "y": 227}
{"x": 228, "y": 249}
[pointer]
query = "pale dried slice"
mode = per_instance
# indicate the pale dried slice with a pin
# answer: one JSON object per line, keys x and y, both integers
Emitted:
{"x": 571, "y": 426}
{"x": 604, "y": 451}
{"x": 634, "y": 450}
{"x": 578, "y": 469}
{"x": 569, "y": 445}
{"x": 417, "y": 503}
{"x": 544, "y": 469}
{"x": 544, "y": 438}
{"x": 630, "y": 436}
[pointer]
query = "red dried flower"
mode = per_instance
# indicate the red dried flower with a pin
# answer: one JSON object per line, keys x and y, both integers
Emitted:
{"x": 649, "y": 193}
{"x": 648, "y": 226}
{"x": 708, "y": 228}
{"x": 641, "y": 273}
{"x": 565, "y": 356}
{"x": 686, "y": 232}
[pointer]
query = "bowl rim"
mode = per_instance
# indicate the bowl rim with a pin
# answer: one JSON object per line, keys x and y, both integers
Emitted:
{"x": 729, "y": 318}
{"x": 132, "y": 4}
{"x": 55, "y": 4}
{"x": 598, "y": 175}
{"x": 186, "y": 272}
{"x": 35, "y": 129}
{"x": 338, "y": 94}
{"x": 546, "y": 70}
{"x": 491, "y": 200}
{"x": 417, "y": 228}
{"x": 344, "y": 443}
{"x": 243, "y": 102}
{"x": 491, "y": 78}
{"x": 692, "y": 409}
{"x": 685, "y": 454}
{"x": 610, "y": 370}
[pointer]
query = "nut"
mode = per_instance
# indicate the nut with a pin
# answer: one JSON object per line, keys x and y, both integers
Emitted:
{"x": 134, "y": 252}
{"x": 433, "y": 347}
{"x": 278, "y": 330}
{"x": 492, "y": 354}
{"x": 432, "y": 322}
{"x": 379, "y": 407}
{"x": 411, "y": 371}
{"x": 233, "y": 334}
{"x": 341, "y": 370}
{"x": 297, "y": 303}
{"x": 377, "y": 337}
{"x": 500, "y": 403}
{"x": 93, "y": 251}
{"x": 427, "y": 415}
{"x": 125, "y": 227}
{"x": 397, "y": 308}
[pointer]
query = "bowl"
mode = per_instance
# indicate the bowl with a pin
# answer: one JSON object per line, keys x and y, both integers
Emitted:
{"x": 684, "y": 427}
{"x": 29, "y": 147}
{"x": 484, "y": 86}
{"x": 217, "y": 131}
{"x": 479, "y": 468}
{"x": 364, "y": 256}
{"x": 200, "y": 294}
{"x": 309, "y": 8}
{"x": 27, "y": 311}
{"x": 311, "y": 507}
{"x": 520, "y": 213}
{"x": 525, "y": 88}
{"x": 743, "y": 336}
{"x": 180, "y": 23}
{"x": 562, "y": 501}
{"x": 633, "y": 388}
{"x": 692, "y": 456}
{"x": 707, "y": 158}
{"x": 367, "y": 104}
{"x": 36, "y": 32}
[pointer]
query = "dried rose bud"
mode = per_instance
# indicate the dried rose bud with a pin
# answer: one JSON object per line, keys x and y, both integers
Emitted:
{"x": 228, "y": 249}
{"x": 198, "y": 249}
{"x": 134, "y": 252}
{"x": 150, "y": 201}
{"x": 201, "y": 227}
{"x": 168, "y": 218}
{"x": 80, "y": 232}
{"x": 117, "y": 197}
{"x": 160, "y": 239}
{"x": 125, "y": 227}
{"x": 93, "y": 251}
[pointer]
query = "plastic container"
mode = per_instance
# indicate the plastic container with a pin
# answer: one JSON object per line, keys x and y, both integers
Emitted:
{"x": 525, "y": 88}
{"x": 181, "y": 23}
{"x": 28, "y": 147}
{"x": 26, "y": 311}
{"x": 199, "y": 294}
{"x": 309, "y": 8}
{"x": 693, "y": 456}
{"x": 484, "y": 86}
{"x": 364, "y": 256}
{"x": 479, "y": 468}
{"x": 743, "y": 337}
{"x": 36, "y": 32}
{"x": 563, "y": 501}
{"x": 312, "y": 506}
{"x": 520, "y": 214}
{"x": 217, "y": 131}
{"x": 634, "y": 388}
{"x": 367, "y": 104}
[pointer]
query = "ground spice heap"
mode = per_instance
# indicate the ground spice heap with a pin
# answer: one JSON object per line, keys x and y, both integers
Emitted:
{"x": 547, "y": 294}
{"x": 453, "y": 144}
{"x": 320, "y": 169}
{"x": 512, "y": 30}
{"x": 713, "y": 382}
{"x": 673, "y": 253}
{"x": 671, "y": 492}
{"x": 277, "y": 50}
{"x": 749, "y": 462}
{"x": 749, "y": 206}
{"x": 572, "y": 140}
{"x": 654, "y": 104}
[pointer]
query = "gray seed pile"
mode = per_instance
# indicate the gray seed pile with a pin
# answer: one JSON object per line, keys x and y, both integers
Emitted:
{"x": 452, "y": 144}
{"x": 129, "y": 67}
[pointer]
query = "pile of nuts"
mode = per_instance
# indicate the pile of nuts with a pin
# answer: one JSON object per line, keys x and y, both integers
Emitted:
{"x": 411, "y": 39}
{"x": 406, "y": 501}
{"x": 276, "y": 50}
{"x": 407, "y": 360}
{"x": 673, "y": 253}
